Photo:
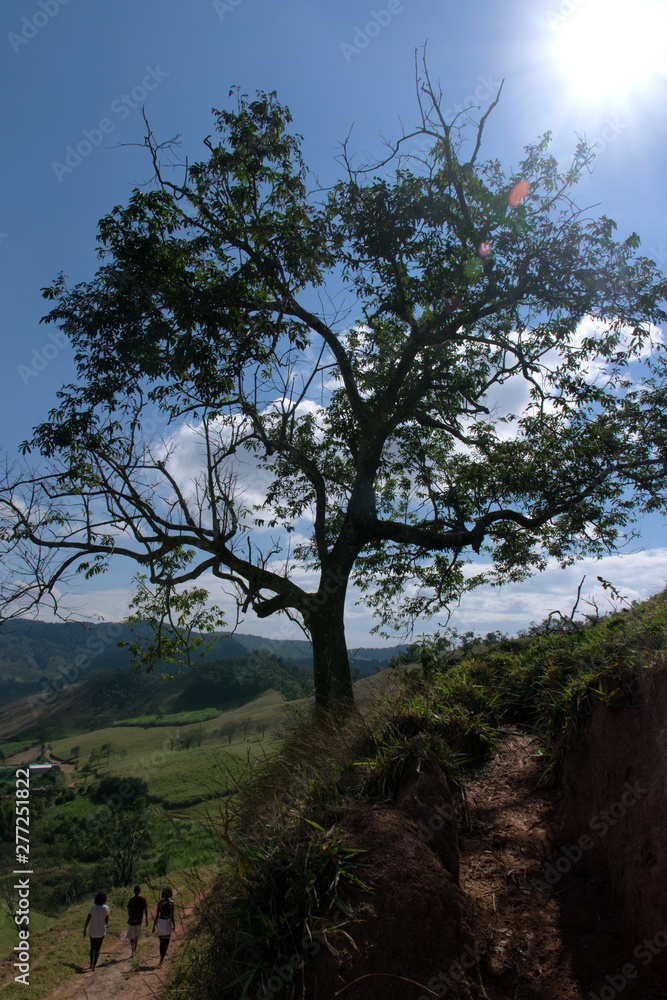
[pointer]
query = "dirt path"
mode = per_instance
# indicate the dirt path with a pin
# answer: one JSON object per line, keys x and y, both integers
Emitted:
{"x": 542, "y": 942}
{"x": 118, "y": 975}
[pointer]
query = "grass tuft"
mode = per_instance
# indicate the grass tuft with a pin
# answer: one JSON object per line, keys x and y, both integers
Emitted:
{"x": 288, "y": 878}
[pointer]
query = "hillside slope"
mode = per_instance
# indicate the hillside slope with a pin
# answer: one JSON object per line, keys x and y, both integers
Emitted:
{"x": 38, "y": 658}
{"x": 423, "y": 850}
{"x": 108, "y": 696}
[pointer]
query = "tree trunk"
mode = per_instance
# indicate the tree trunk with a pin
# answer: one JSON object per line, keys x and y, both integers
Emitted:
{"x": 326, "y": 624}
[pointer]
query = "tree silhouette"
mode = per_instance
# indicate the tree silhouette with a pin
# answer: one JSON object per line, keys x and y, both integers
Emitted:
{"x": 452, "y": 366}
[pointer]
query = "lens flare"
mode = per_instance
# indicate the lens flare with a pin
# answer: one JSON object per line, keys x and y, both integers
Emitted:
{"x": 518, "y": 193}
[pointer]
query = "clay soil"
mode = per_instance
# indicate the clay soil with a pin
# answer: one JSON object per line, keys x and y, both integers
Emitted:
{"x": 537, "y": 941}
{"x": 563, "y": 941}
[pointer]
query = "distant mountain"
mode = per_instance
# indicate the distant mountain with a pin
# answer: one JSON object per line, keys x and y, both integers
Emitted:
{"x": 37, "y": 656}
{"x": 109, "y": 696}
{"x": 299, "y": 651}
{"x": 370, "y": 659}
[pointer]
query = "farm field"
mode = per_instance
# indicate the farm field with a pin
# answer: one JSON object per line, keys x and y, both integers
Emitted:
{"x": 268, "y": 708}
{"x": 180, "y": 776}
{"x": 185, "y": 785}
{"x": 176, "y": 718}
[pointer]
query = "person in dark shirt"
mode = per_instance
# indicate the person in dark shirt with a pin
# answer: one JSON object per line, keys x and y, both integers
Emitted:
{"x": 137, "y": 910}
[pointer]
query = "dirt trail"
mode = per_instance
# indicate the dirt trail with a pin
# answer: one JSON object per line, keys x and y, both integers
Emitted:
{"x": 562, "y": 941}
{"x": 117, "y": 975}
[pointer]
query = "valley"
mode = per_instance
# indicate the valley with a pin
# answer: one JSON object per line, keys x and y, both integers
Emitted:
{"x": 143, "y": 765}
{"x": 437, "y": 830}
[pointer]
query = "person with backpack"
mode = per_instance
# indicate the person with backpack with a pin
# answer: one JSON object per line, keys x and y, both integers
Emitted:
{"x": 164, "y": 921}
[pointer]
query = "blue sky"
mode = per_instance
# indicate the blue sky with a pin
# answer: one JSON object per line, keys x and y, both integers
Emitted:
{"x": 77, "y": 73}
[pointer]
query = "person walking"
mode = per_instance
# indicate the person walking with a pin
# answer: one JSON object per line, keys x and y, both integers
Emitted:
{"x": 98, "y": 919}
{"x": 137, "y": 910}
{"x": 164, "y": 921}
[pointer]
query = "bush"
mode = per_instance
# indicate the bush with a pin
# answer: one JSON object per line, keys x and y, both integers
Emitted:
{"x": 121, "y": 792}
{"x": 286, "y": 870}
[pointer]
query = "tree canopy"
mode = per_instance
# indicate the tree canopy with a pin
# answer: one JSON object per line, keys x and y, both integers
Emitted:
{"x": 418, "y": 381}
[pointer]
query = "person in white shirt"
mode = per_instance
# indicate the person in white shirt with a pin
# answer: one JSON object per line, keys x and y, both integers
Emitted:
{"x": 98, "y": 918}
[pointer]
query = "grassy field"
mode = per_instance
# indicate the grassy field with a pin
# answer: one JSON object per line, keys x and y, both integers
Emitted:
{"x": 18, "y": 746}
{"x": 8, "y": 930}
{"x": 186, "y": 789}
{"x": 136, "y": 744}
{"x": 181, "y": 778}
{"x": 55, "y": 956}
{"x": 172, "y": 719}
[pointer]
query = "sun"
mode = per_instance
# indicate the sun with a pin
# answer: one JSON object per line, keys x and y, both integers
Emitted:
{"x": 611, "y": 49}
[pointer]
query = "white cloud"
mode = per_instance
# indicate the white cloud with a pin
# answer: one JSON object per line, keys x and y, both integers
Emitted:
{"x": 637, "y": 576}
{"x": 508, "y": 609}
{"x": 597, "y": 368}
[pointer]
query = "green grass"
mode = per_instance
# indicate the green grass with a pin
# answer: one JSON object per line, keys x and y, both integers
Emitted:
{"x": 138, "y": 742}
{"x": 287, "y": 865}
{"x": 179, "y": 778}
{"x": 286, "y": 869}
{"x": 55, "y": 956}
{"x": 18, "y": 746}
{"x": 174, "y": 719}
{"x": 9, "y": 930}
{"x": 185, "y": 787}
{"x": 191, "y": 784}
{"x": 183, "y": 778}
{"x": 547, "y": 683}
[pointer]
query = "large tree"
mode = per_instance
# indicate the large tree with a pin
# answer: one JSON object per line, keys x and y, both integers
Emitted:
{"x": 387, "y": 379}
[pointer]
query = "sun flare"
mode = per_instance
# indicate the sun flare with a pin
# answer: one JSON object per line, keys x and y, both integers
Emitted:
{"x": 611, "y": 48}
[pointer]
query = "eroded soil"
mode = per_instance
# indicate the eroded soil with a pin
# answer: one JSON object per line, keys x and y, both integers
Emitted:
{"x": 545, "y": 926}
{"x": 544, "y": 933}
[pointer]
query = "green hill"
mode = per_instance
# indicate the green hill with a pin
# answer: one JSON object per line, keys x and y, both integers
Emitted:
{"x": 132, "y": 806}
{"x": 109, "y": 696}
{"x": 38, "y": 657}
